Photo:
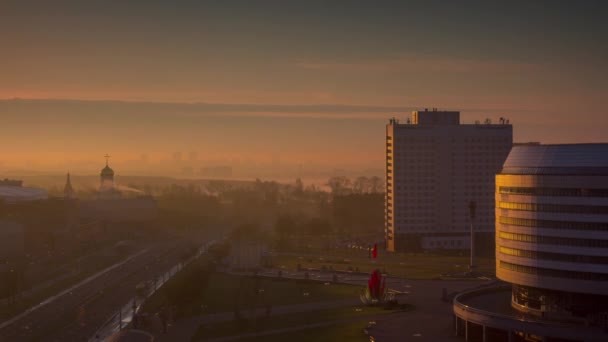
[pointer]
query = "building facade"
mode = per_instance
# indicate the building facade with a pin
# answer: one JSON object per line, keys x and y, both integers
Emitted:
{"x": 435, "y": 166}
{"x": 552, "y": 229}
{"x": 551, "y": 249}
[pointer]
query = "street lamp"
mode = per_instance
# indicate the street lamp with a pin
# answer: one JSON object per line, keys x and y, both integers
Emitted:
{"x": 472, "y": 207}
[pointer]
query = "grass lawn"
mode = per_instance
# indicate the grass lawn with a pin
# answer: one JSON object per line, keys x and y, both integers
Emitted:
{"x": 225, "y": 291}
{"x": 352, "y": 331}
{"x": 290, "y": 320}
{"x": 413, "y": 266}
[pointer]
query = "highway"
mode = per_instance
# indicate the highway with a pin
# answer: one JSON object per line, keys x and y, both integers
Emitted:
{"x": 124, "y": 315}
{"x": 76, "y": 313}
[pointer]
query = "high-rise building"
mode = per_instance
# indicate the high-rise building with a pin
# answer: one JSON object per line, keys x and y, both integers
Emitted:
{"x": 551, "y": 249}
{"x": 435, "y": 167}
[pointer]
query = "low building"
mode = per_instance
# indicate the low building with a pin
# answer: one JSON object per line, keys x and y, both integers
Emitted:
{"x": 12, "y": 191}
{"x": 10, "y": 182}
{"x": 247, "y": 255}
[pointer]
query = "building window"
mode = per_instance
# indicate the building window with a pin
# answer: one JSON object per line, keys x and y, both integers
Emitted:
{"x": 516, "y": 221}
{"x": 554, "y": 192}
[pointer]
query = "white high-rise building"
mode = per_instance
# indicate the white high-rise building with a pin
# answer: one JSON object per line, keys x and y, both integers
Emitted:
{"x": 435, "y": 166}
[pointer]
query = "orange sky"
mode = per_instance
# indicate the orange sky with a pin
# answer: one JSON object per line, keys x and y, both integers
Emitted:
{"x": 540, "y": 64}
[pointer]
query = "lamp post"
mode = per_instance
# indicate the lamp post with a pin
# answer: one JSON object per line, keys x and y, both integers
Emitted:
{"x": 472, "y": 207}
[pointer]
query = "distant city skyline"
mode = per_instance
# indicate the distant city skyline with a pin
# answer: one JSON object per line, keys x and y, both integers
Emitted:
{"x": 309, "y": 83}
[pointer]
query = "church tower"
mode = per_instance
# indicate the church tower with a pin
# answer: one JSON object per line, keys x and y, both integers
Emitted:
{"x": 68, "y": 191}
{"x": 106, "y": 177}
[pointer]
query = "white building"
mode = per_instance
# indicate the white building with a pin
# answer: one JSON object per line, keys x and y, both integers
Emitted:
{"x": 434, "y": 167}
{"x": 18, "y": 193}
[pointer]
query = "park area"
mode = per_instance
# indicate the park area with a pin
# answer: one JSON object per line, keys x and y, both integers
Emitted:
{"x": 341, "y": 323}
{"x": 410, "y": 266}
{"x": 296, "y": 297}
{"x": 257, "y": 307}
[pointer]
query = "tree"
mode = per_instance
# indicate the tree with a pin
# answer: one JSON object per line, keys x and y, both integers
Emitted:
{"x": 217, "y": 187}
{"x": 361, "y": 185}
{"x": 376, "y": 185}
{"x": 268, "y": 190}
{"x": 246, "y": 231}
{"x": 188, "y": 287}
{"x": 284, "y": 226}
{"x": 219, "y": 251}
{"x": 299, "y": 188}
{"x": 358, "y": 214}
{"x": 339, "y": 185}
{"x": 317, "y": 226}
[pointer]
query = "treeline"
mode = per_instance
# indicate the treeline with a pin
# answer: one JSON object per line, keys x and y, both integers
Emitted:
{"x": 341, "y": 185}
{"x": 345, "y": 208}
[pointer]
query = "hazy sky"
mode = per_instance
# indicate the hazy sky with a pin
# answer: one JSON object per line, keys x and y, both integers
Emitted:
{"x": 542, "y": 64}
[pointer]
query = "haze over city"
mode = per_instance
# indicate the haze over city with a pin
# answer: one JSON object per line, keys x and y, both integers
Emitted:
{"x": 303, "y": 171}
{"x": 288, "y": 84}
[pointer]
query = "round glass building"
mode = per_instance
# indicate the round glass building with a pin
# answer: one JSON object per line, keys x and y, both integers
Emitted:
{"x": 551, "y": 246}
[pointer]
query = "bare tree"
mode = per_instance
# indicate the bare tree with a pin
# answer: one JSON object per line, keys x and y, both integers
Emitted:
{"x": 216, "y": 187}
{"x": 339, "y": 185}
{"x": 376, "y": 185}
{"x": 361, "y": 185}
{"x": 299, "y": 188}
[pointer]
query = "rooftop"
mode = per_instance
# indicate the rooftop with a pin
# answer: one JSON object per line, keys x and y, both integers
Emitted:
{"x": 558, "y": 159}
{"x": 19, "y": 193}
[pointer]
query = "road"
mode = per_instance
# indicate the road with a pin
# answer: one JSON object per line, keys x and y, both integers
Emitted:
{"x": 76, "y": 313}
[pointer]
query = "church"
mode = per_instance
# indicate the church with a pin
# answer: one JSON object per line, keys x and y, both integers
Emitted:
{"x": 107, "y": 188}
{"x": 110, "y": 204}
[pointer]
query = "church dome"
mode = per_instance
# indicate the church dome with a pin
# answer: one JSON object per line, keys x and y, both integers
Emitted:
{"x": 107, "y": 172}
